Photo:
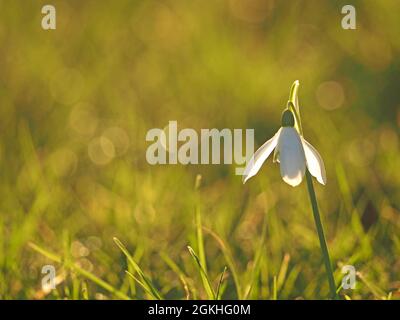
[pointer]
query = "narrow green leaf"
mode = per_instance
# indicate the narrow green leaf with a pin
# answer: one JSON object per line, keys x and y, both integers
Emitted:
{"x": 145, "y": 280}
{"x": 207, "y": 283}
{"x": 221, "y": 279}
{"x": 81, "y": 271}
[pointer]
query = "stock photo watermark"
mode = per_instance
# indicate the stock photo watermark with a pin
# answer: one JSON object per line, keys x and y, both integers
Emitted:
{"x": 349, "y": 278}
{"x": 49, "y": 21}
{"x": 210, "y": 146}
{"x": 349, "y": 20}
{"x": 49, "y": 279}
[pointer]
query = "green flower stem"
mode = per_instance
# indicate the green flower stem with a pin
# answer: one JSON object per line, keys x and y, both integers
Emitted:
{"x": 293, "y": 105}
{"x": 321, "y": 235}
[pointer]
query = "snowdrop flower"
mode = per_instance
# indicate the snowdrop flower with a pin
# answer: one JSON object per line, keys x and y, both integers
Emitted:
{"x": 297, "y": 158}
{"x": 293, "y": 153}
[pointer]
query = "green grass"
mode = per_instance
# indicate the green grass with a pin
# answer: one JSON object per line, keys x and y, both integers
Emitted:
{"x": 77, "y": 192}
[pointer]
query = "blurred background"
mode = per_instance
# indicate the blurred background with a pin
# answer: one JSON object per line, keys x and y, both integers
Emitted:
{"x": 76, "y": 104}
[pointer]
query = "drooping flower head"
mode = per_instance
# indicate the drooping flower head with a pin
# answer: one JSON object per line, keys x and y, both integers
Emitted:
{"x": 293, "y": 153}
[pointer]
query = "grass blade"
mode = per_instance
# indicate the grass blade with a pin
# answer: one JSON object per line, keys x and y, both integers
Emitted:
{"x": 283, "y": 271}
{"x": 229, "y": 260}
{"x": 207, "y": 283}
{"x": 221, "y": 279}
{"x": 83, "y": 272}
{"x": 275, "y": 290}
{"x": 174, "y": 267}
{"x": 144, "y": 279}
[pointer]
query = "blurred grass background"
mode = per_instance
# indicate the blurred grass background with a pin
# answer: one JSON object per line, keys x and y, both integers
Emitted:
{"x": 75, "y": 106}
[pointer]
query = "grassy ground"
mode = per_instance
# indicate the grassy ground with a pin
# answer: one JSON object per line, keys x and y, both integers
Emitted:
{"x": 78, "y": 194}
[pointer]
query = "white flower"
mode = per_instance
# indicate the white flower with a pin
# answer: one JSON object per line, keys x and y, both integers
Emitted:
{"x": 292, "y": 152}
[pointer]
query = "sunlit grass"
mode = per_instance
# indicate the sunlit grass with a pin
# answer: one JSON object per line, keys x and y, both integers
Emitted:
{"x": 78, "y": 194}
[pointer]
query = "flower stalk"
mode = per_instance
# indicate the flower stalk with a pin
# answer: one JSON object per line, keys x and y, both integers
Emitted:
{"x": 321, "y": 236}
{"x": 294, "y": 107}
{"x": 297, "y": 158}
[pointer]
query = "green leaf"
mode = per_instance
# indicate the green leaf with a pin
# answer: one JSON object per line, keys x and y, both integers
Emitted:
{"x": 145, "y": 282}
{"x": 203, "y": 273}
{"x": 83, "y": 272}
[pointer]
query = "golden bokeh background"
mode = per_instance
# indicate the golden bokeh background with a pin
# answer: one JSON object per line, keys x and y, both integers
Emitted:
{"x": 76, "y": 103}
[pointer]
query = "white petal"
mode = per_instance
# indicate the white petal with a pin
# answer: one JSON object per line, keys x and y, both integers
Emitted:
{"x": 256, "y": 161}
{"x": 315, "y": 164}
{"x": 291, "y": 156}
